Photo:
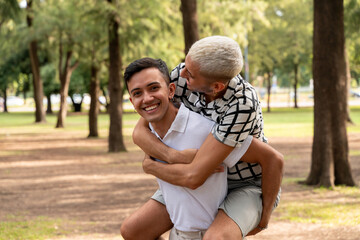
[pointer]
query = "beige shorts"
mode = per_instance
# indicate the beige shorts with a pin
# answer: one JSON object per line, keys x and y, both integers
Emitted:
{"x": 243, "y": 204}
{"x": 181, "y": 235}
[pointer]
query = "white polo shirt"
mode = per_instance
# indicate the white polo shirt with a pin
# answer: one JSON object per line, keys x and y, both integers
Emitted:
{"x": 194, "y": 210}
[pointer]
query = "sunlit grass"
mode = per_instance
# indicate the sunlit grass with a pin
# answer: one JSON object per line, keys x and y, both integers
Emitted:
{"x": 290, "y": 122}
{"x": 280, "y": 122}
{"x": 337, "y": 206}
{"x": 344, "y": 190}
{"x": 354, "y": 153}
{"x": 330, "y": 213}
{"x": 18, "y": 228}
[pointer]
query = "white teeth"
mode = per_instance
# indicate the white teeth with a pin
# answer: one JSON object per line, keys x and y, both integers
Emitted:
{"x": 150, "y": 108}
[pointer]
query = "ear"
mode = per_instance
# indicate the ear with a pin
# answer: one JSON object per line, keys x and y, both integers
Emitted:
{"x": 218, "y": 86}
{"x": 171, "y": 90}
{"x": 131, "y": 100}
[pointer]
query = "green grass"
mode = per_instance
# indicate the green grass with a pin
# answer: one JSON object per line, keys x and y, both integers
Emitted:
{"x": 336, "y": 206}
{"x": 18, "y": 228}
{"x": 329, "y": 213}
{"x": 24, "y": 122}
{"x": 280, "y": 122}
{"x": 290, "y": 122}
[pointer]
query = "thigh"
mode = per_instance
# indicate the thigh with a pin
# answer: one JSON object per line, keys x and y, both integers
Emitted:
{"x": 223, "y": 228}
{"x": 244, "y": 207}
{"x": 148, "y": 222}
{"x": 238, "y": 214}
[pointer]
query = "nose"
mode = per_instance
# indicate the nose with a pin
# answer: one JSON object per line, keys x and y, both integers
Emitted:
{"x": 183, "y": 73}
{"x": 148, "y": 97}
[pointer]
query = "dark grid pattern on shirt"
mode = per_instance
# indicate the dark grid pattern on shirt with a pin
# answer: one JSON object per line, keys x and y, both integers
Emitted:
{"x": 237, "y": 114}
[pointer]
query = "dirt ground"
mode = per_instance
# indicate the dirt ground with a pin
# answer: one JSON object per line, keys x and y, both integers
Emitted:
{"x": 63, "y": 175}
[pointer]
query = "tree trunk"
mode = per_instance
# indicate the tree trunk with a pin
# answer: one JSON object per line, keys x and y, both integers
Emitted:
{"x": 65, "y": 76}
{"x": 330, "y": 163}
{"x": 35, "y": 67}
{"x": 190, "y": 23}
{"x": 348, "y": 87}
{"x": 268, "y": 91}
{"x": 49, "y": 108}
{"x": 116, "y": 143}
{"x": 106, "y": 104}
{"x": 94, "y": 104}
{"x": 296, "y": 66}
{"x": 5, "y": 101}
{"x": 77, "y": 106}
{"x": 64, "y": 89}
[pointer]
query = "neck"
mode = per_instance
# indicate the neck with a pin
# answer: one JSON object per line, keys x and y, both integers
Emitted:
{"x": 162, "y": 126}
{"x": 211, "y": 97}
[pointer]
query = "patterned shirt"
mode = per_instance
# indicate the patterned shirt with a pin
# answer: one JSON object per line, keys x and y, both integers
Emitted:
{"x": 236, "y": 115}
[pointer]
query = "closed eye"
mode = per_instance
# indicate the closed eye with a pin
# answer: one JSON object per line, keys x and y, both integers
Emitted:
{"x": 154, "y": 88}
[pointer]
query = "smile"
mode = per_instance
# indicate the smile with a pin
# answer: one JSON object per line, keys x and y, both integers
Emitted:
{"x": 152, "y": 107}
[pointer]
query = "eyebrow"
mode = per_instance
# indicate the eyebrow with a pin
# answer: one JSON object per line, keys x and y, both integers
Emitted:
{"x": 150, "y": 84}
{"x": 189, "y": 73}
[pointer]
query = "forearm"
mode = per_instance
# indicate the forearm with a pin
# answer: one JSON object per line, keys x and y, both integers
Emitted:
{"x": 271, "y": 162}
{"x": 151, "y": 145}
{"x": 211, "y": 154}
{"x": 271, "y": 181}
{"x": 177, "y": 174}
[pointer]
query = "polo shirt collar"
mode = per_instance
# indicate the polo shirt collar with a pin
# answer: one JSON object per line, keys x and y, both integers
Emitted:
{"x": 180, "y": 122}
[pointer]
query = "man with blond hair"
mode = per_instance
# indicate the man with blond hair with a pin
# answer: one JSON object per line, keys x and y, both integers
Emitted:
{"x": 209, "y": 83}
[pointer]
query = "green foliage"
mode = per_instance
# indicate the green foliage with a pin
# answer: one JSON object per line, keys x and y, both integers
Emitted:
{"x": 80, "y": 80}
{"x": 277, "y": 32}
{"x": 9, "y": 9}
{"x": 48, "y": 76}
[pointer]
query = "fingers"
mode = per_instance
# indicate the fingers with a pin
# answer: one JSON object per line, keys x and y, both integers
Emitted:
{"x": 220, "y": 168}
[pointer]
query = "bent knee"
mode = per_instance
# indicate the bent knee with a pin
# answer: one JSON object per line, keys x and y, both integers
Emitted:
{"x": 128, "y": 231}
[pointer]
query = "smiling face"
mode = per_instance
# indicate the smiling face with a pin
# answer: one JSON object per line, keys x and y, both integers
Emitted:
{"x": 150, "y": 94}
{"x": 195, "y": 81}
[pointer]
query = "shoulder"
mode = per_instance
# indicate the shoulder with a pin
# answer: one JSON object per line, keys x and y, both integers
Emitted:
{"x": 242, "y": 94}
{"x": 197, "y": 121}
{"x": 175, "y": 73}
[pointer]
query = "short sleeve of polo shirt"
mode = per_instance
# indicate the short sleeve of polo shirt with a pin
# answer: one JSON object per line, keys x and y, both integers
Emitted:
{"x": 236, "y": 154}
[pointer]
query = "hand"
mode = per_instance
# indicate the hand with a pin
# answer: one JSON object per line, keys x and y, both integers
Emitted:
{"x": 146, "y": 163}
{"x": 220, "y": 168}
{"x": 256, "y": 230}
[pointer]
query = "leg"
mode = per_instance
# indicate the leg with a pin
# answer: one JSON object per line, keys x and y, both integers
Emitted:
{"x": 238, "y": 215}
{"x": 223, "y": 228}
{"x": 148, "y": 222}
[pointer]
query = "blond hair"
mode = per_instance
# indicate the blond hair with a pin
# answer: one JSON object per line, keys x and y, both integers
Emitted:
{"x": 218, "y": 57}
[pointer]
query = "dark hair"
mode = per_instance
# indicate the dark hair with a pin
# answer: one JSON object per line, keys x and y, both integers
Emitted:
{"x": 144, "y": 63}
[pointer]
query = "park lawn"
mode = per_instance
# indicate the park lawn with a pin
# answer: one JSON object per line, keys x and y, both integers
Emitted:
{"x": 339, "y": 206}
{"x": 19, "y": 228}
{"x": 280, "y": 122}
{"x": 290, "y": 122}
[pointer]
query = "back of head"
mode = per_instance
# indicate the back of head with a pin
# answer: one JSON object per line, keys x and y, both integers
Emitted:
{"x": 218, "y": 57}
{"x": 144, "y": 63}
